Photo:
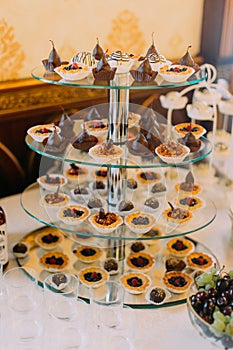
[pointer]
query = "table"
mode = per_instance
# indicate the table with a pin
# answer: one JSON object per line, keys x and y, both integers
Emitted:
{"x": 154, "y": 328}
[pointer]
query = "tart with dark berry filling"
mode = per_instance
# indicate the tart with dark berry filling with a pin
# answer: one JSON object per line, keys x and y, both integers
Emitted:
{"x": 199, "y": 260}
{"x": 177, "y": 281}
{"x": 148, "y": 177}
{"x": 135, "y": 282}
{"x": 73, "y": 214}
{"x": 101, "y": 174}
{"x": 88, "y": 253}
{"x": 105, "y": 222}
{"x": 189, "y": 202}
{"x": 184, "y": 128}
{"x": 93, "y": 276}
{"x": 177, "y": 215}
{"x": 180, "y": 246}
{"x": 75, "y": 172}
{"x": 49, "y": 240}
{"x": 54, "y": 261}
{"x": 139, "y": 222}
{"x": 140, "y": 261}
{"x": 96, "y": 127}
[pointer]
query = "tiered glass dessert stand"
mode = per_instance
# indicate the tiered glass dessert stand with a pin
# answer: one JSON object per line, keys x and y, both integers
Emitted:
{"x": 116, "y": 244}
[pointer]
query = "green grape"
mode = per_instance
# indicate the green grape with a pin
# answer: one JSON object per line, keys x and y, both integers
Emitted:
{"x": 203, "y": 279}
{"x": 218, "y": 316}
{"x": 218, "y": 325}
{"x": 230, "y": 273}
{"x": 229, "y": 329}
{"x": 213, "y": 271}
{"x": 209, "y": 285}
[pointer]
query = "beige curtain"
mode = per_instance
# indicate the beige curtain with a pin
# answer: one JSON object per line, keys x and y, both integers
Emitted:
{"x": 226, "y": 48}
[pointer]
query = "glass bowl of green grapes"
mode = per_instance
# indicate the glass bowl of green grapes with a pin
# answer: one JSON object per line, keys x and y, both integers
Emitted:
{"x": 210, "y": 306}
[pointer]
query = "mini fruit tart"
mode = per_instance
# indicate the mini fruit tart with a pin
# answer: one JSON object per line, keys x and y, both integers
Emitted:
{"x": 93, "y": 276}
{"x": 96, "y": 127}
{"x": 140, "y": 261}
{"x": 111, "y": 266}
{"x": 199, "y": 261}
{"x": 100, "y": 174}
{"x": 148, "y": 177}
{"x": 157, "y": 295}
{"x": 105, "y": 152}
{"x": 76, "y": 174}
{"x": 177, "y": 215}
{"x": 176, "y": 73}
{"x": 50, "y": 182}
{"x": 177, "y": 281}
{"x": 41, "y": 132}
{"x": 54, "y": 261}
{"x": 73, "y": 71}
{"x": 87, "y": 253}
{"x": 135, "y": 282}
{"x": 172, "y": 152}
{"x": 188, "y": 186}
{"x": 190, "y": 202}
{"x": 184, "y": 128}
{"x": 105, "y": 222}
{"x": 49, "y": 240}
{"x": 55, "y": 199}
{"x": 180, "y": 247}
{"x": 73, "y": 214}
{"x": 139, "y": 222}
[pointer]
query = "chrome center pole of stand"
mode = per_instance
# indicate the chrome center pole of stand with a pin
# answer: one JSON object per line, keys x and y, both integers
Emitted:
{"x": 117, "y": 177}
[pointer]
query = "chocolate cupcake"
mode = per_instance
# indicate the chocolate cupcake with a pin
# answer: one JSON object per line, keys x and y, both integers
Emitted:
{"x": 174, "y": 264}
{"x": 85, "y": 141}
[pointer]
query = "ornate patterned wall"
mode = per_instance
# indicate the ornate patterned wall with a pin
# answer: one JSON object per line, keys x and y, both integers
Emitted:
{"x": 27, "y": 25}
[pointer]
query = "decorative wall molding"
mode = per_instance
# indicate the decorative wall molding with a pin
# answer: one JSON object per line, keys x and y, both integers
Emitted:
{"x": 25, "y": 96}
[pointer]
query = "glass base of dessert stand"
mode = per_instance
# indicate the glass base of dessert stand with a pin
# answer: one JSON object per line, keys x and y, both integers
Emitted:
{"x": 158, "y": 249}
{"x": 118, "y": 246}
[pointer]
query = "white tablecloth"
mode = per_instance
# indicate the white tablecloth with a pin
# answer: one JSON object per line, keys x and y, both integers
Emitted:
{"x": 163, "y": 328}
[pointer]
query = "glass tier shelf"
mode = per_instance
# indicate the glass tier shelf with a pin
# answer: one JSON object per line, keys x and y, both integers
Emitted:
{"x": 201, "y": 217}
{"x": 156, "y": 273}
{"x": 73, "y": 155}
{"x": 127, "y": 83}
